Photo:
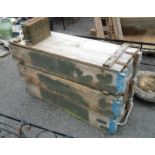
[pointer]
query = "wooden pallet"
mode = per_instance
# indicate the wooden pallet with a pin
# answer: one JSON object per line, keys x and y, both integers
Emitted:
{"x": 130, "y": 29}
{"x": 108, "y": 27}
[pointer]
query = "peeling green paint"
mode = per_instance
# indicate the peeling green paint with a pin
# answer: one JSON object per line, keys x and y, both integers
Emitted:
{"x": 65, "y": 104}
{"x": 68, "y": 92}
{"x": 103, "y": 103}
{"x": 101, "y": 121}
{"x": 52, "y": 64}
{"x": 61, "y": 88}
{"x": 67, "y": 69}
{"x": 108, "y": 113}
{"x": 105, "y": 79}
{"x": 103, "y": 127}
{"x": 58, "y": 66}
{"x": 85, "y": 79}
{"x": 105, "y": 82}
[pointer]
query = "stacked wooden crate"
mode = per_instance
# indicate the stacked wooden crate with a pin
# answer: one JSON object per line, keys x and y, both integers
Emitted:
{"x": 90, "y": 79}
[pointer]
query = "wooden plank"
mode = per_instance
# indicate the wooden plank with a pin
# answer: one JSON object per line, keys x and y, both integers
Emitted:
{"x": 76, "y": 48}
{"x": 111, "y": 30}
{"x": 117, "y": 28}
{"x": 114, "y": 67}
{"x": 79, "y": 111}
{"x": 137, "y": 61}
{"x": 108, "y": 49}
{"x": 80, "y": 94}
{"x": 133, "y": 51}
{"x": 112, "y": 82}
{"x": 99, "y": 27}
{"x": 96, "y": 52}
{"x": 112, "y": 27}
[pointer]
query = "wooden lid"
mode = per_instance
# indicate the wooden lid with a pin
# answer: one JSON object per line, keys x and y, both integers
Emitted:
{"x": 32, "y": 21}
{"x": 98, "y": 53}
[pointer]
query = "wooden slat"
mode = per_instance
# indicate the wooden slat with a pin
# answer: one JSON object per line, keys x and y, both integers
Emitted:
{"x": 99, "y": 27}
{"x": 86, "y": 50}
{"x": 113, "y": 27}
{"x": 100, "y": 46}
{"x": 115, "y": 56}
{"x": 78, "y": 49}
{"x": 137, "y": 61}
{"x": 118, "y": 34}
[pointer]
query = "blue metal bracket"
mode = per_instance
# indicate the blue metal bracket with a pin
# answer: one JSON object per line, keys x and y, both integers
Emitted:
{"x": 112, "y": 127}
{"x": 117, "y": 108}
{"x": 121, "y": 82}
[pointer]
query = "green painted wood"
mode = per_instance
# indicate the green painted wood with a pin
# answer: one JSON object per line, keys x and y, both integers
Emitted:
{"x": 79, "y": 111}
{"x": 78, "y": 93}
{"x": 98, "y": 78}
{"x": 36, "y": 29}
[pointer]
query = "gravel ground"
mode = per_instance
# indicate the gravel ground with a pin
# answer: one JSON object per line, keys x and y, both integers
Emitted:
{"x": 15, "y": 101}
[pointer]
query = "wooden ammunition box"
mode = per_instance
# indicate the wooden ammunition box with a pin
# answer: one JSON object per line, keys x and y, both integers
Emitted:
{"x": 90, "y": 79}
{"x": 77, "y": 93}
{"x": 81, "y": 112}
{"x": 96, "y": 64}
{"x": 36, "y": 29}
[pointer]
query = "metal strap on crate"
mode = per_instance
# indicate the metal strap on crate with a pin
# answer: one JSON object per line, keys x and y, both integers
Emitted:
{"x": 116, "y": 56}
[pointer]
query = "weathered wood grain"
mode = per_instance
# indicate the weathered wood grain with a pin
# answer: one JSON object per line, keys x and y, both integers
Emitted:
{"x": 90, "y": 52}
{"x": 69, "y": 72}
{"x": 115, "y": 56}
{"x": 117, "y": 28}
{"x": 137, "y": 61}
{"x": 99, "y": 78}
{"x": 79, "y": 111}
{"x": 76, "y": 50}
{"x": 110, "y": 28}
{"x": 99, "y": 27}
{"x": 80, "y": 94}
{"x": 36, "y": 29}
